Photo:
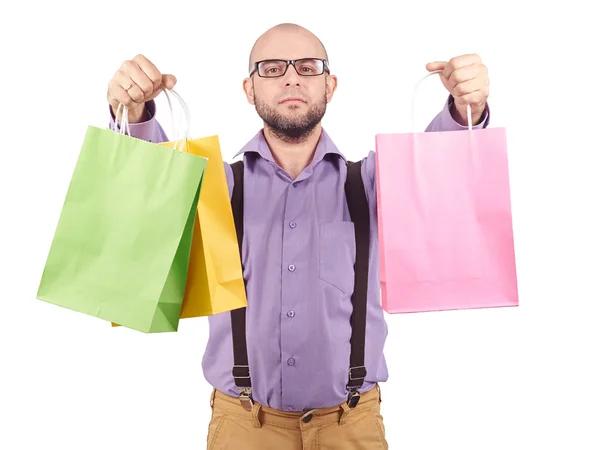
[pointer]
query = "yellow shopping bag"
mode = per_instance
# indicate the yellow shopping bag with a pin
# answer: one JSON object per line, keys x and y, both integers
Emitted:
{"x": 215, "y": 282}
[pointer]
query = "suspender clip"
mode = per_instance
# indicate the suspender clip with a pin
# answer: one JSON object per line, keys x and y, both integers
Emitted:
{"x": 353, "y": 398}
{"x": 246, "y": 398}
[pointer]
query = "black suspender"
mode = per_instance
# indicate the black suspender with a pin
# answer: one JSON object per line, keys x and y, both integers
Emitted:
{"x": 241, "y": 370}
{"x": 359, "y": 213}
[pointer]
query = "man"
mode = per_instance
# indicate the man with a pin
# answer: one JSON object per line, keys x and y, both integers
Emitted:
{"x": 298, "y": 252}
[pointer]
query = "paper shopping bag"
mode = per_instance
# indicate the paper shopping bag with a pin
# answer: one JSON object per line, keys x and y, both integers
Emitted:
{"x": 215, "y": 282}
{"x": 445, "y": 221}
{"x": 122, "y": 244}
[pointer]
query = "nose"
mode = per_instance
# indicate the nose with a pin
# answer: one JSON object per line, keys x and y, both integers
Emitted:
{"x": 291, "y": 77}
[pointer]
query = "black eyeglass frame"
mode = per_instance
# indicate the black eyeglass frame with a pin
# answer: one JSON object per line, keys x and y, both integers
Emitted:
{"x": 289, "y": 62}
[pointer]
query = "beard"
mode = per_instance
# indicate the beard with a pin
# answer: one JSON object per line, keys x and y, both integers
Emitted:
{"x": 291, "y": 129}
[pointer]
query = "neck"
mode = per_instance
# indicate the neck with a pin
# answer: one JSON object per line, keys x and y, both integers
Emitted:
{"x": 293, "y": 157}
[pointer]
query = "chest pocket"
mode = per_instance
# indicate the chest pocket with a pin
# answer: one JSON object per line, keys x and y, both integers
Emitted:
{"x": 337, "y": 255}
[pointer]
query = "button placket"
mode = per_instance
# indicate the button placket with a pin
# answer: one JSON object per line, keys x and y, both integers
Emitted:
{"x": 290, "y": 256}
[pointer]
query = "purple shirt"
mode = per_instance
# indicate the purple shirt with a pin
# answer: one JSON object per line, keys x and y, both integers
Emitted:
{"x": 298, "y": 254}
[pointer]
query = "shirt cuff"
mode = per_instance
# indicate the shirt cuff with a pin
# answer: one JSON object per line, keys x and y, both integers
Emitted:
{"x": 454, "y": 125}
{"x": 139, "y": 129}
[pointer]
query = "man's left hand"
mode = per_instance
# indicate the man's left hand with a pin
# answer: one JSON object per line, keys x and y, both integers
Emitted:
{"x": 466, "y": 79}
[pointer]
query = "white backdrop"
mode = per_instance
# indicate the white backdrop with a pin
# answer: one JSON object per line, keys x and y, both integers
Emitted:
{"x": 519, "y": 378}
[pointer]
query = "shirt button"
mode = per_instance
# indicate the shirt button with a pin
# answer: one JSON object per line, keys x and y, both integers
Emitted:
{"x": 291, "y": 361}
{"x": 291, "y": 267}
{"x": 291, "y": 314}
{"x": 292, "y": 224}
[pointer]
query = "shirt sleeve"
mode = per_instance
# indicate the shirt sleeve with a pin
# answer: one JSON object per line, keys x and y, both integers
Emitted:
{"x": 368, "y": 175}
{"x": 445, "y": 122}
{"x": 229, "y": 178}
{"x": 149, "y": 130}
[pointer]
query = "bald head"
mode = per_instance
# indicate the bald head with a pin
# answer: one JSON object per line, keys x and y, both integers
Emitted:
{"x": 286, "y": 40}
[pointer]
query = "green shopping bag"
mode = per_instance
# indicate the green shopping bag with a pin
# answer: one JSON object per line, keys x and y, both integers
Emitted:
{"x": 121, "y": 247}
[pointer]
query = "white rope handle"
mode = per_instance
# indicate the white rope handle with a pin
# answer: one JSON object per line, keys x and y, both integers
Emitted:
{"x": 126, "y": 130}
{"x": 186, "y": 116}
{"x": 124, "y": 120}
{"x": 469, "y": 113}
{"x": 186, "y": 112}
{"x": 175, "y": 130}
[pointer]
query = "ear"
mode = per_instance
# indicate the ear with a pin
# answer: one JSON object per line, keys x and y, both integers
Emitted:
{"x": 248, "y": 86}
{"x": 330, "y": 86}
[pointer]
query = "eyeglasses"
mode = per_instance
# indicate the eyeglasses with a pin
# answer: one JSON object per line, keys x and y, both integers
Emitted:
{"x": 274, "y": 68}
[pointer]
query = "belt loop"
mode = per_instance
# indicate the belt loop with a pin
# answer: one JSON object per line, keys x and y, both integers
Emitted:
{"x": 212, "y": 398}
{"x": 379, "y": 390}
{"x": 344, "y": 415}
{"x": 255, "y": 410}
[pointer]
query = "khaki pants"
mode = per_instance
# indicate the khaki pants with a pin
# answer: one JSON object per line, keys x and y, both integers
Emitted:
{"x": 341, "y": 427}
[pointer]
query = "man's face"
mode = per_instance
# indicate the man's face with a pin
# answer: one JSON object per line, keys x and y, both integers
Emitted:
{"x": 291, "y": 105}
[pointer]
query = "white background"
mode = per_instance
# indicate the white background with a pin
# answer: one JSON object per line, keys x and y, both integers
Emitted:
{"x": 519, "y": 378}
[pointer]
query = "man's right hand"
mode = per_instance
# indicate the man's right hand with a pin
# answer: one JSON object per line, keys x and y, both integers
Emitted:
{"x": 136, "y": 82}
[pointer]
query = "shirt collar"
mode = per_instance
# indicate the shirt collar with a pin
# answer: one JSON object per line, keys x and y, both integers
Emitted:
{"x": 258, "y": 144}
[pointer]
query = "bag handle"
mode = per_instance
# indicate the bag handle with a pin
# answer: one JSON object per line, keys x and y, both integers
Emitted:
{"x": 469, "y": 113}
{"x": 186, "y": 114}
{"x": 125, "y": 129}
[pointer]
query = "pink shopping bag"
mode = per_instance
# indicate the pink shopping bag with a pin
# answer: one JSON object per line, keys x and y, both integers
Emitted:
{"x": 445, "y": 221}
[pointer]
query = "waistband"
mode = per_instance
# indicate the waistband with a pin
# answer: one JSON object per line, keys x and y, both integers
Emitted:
{"x": 261, "y": 414}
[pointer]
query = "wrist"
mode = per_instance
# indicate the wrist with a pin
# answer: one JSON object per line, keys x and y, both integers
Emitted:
{"x": 459, "y": 114}
{"x": 138, "y": 114}
{"x": 135, "y": 115}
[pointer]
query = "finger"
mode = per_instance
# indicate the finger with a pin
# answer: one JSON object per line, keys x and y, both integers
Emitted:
{"x": 477, "y": 98}
{"x": 129, "y": 86}
{"x": 150, "y": 70}
{"x": 120, "y": 95}
{"x": 436, "y": 65}
{"x": 475, "y": 72}
{"x": 461, "y": 61}
{"x": 169, "y": 81}
{"x": 466, "y": 87}
{"x": 139, "y": 77}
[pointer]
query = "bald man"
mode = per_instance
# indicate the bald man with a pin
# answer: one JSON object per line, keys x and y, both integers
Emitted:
{"x": 300, "y": 367}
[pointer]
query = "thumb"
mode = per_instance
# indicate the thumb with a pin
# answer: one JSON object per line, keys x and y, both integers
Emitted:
{"x": 436, "y": 65}
{"x": 169, "y": 81}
